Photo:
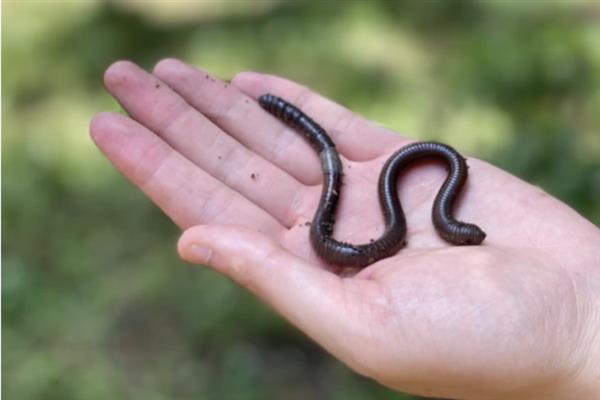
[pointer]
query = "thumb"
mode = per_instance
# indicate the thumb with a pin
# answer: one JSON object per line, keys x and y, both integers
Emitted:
{"x": 308, "y": 296}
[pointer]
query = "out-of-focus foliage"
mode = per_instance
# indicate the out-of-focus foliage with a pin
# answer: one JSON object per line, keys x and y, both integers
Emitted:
{"x": 96, "y": 304}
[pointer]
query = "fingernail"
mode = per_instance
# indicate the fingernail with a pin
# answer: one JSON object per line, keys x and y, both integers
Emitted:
{"x": 200, "y": 254}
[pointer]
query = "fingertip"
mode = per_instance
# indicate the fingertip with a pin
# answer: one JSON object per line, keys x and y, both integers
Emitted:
{"x": 97, "y": 122}
{"x": 248, "y": 76}
{"x": 231, "y": 245}
{"x": 102, "y": 123}
{"x": 187, "y": 240}
{"x": 118, "y": 72}
{"x": 169, "y": 66}
{"x": 235, "y": 252}
{"x": 252, "y": 83}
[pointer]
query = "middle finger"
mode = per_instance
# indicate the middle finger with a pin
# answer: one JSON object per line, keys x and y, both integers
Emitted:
{"x": 153, "y": 104}
{"x": 242, "y": 117}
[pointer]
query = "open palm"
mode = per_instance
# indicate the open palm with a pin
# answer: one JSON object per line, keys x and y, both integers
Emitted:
{"x": 514, "y": 318}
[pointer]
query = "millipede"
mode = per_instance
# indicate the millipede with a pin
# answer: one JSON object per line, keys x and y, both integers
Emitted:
{"x": 394, "y": 237}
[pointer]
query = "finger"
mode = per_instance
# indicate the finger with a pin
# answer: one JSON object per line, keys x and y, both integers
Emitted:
{"x": 323, "y": 305}
{"x": 242, "y": 118}
{"x": 183, "y": 191}
{"x": 356, "y": 137}
{"x": 156, "y": 106}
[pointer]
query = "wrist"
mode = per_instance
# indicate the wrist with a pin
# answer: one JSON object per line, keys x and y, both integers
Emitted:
{"x": 586, "y": 355}
{"x": 588, "y": 380}
{"x": 585, "y": 380}
{"x": 580, "y": 376}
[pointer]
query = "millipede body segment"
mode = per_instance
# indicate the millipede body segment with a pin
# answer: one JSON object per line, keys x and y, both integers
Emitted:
{"x": 393, "y": 239}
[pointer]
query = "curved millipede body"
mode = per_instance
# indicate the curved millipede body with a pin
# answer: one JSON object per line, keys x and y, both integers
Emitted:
{"x": 393, "y": 239}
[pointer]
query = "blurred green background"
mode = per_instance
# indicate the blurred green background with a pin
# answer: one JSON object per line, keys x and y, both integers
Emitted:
{"x": 96, "y": 304}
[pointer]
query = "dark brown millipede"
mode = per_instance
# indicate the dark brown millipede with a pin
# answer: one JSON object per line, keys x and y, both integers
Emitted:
{"x": 393, "y": 239}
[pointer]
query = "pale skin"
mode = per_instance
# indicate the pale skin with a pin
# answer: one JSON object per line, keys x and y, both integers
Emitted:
{"x": 515, "y": 318}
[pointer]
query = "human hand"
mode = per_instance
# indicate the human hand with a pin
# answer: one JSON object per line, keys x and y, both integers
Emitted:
{"x": 517, "y": 317}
